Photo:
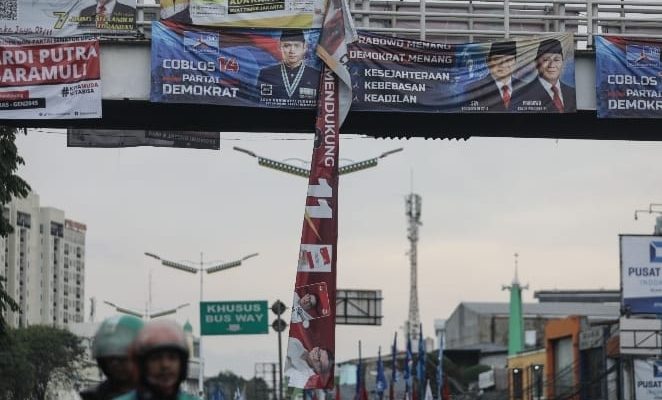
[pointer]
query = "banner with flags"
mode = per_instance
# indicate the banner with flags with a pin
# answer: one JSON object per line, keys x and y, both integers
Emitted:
{"x": 311, "y": 346}
{"x": 337, "y": 33}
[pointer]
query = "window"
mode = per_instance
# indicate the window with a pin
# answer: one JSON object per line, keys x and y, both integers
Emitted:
{"x": 537, "y": 374}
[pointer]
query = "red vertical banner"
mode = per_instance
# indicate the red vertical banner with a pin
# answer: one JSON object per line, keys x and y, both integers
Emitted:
{"x": 311, "y": 344}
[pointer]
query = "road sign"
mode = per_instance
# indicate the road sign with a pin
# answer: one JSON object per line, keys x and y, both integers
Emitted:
{"x": 234, "y": 317}
{"x": 279, "y": 325}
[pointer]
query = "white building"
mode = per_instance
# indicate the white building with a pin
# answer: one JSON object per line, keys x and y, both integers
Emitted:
{"x": 44, "y": 263}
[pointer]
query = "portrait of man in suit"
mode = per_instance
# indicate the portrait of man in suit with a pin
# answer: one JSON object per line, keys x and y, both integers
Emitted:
{"x": 291, "y": 78}
{"x": 546, "y": 93}
{"x": 108, "y": 14}
{"x": 495, "y": 92}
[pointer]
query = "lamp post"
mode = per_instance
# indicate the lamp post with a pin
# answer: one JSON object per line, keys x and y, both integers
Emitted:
{"x": 658, "y": 220}
{"x": 210, "y": 270}
{"x": 148, "y": 314}
{"x": 304, "y": 172}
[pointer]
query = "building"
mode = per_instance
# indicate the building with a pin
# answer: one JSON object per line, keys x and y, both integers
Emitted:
{"x": 44, "y": 264}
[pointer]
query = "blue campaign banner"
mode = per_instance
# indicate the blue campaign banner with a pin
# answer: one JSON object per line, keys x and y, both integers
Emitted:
{"x": 534, "y": 75}
{"x": 249, "y": 67}
{"x": 628, "y": 77}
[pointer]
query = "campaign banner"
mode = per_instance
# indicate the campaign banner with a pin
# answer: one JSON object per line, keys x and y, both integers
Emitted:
{"x": 254, "y": 68}
{"x": 628, "y": 77}
{"x": 533, "y": 75}
{"x": 303, "y": 14}
{"x": 113, "y": 138}
{"x": 311, "y": 343}
{"x": 647, "y": 379}
{"x": 49, "y": 79}
{"x": 67, "y": 17}
{"x": 641, "y": 268}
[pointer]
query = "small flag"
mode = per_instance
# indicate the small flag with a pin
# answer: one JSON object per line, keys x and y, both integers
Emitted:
{"x": 394, "y": 368}
{"x": 440, "y": 365}
{"x": 428, "y": 392}
{"x": 381, "y": 378}
{"x": 420, "y": 370}
{"x": 408, "y": 358}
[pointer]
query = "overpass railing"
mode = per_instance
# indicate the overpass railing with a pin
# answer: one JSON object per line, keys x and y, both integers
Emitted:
{"x": 456, "y": 21}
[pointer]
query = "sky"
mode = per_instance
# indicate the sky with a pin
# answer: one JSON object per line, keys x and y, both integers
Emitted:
{"x": 559, "y": 204}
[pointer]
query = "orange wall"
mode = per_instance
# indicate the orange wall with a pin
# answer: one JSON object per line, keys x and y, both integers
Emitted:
{"x": 558, "y": 329}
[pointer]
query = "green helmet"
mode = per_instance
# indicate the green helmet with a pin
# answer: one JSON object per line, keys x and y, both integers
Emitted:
{"x": 115, "y": 335}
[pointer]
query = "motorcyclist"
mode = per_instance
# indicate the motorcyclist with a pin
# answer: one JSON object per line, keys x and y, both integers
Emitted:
{"x": 110, "y": 348}
{"x": 160, "y": 354}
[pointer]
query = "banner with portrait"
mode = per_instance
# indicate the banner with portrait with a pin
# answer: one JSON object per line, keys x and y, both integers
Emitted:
{"x": 302, "y": 14}
{"x": 60, "y": 18}
{"x": 517, "y": 76}
{"x": 311, "y": 344}
{"x": 113, "y": 138}
{"x": 49, "y": 79}
{"x": 628, "y": 77}
{"x": 255, "y": 68}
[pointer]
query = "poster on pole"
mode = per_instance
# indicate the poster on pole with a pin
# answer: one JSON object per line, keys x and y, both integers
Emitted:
{"x": 302, "y": 14}
{"x": 49, "y": 78}
{"x": 530, "y": 75}
{"x": 628, "y": 77}
{"x": 641, "y": 274}
{"x": 311, "y": 345}
{"x": 64, "y": 18}
{"x": 271, "y": 68}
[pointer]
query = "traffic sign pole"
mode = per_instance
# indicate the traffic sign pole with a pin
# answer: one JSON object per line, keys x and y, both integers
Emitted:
{"x": 279, "y": 326}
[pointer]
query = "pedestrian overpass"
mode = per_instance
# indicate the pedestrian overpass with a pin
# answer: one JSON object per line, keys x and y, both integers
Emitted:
{"x": 125, "y": 71}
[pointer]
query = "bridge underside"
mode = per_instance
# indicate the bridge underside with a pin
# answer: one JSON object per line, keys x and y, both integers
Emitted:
{"x": 132, "y": 114}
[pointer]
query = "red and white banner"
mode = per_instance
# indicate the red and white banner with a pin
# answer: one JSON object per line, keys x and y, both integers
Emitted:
{"x": 49, "y": 78}
{"x": 311, "y": 345}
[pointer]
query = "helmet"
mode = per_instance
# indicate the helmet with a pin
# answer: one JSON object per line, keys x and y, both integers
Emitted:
{"x": 115, "y": 335}
{"x": 162, "y": 335}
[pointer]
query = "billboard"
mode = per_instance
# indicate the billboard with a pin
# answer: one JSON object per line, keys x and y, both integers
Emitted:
{"x": 49, "y": 79}
{"x": 647, "y": 379}
{"x": 67, "y": 17}
{"x": 534, "y": 75}
{"x": 641, "y": 266}
{"x": 131, "y": 138}
{"x": 628, "y": 77}
{"x": 246, "y": 13}
{"x": 254, "y": 68}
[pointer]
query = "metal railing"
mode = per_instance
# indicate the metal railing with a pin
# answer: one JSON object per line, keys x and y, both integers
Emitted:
{"x": 455, "y": 21}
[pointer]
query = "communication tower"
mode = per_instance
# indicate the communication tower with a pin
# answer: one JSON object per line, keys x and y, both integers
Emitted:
{"x": 413, "y": 212}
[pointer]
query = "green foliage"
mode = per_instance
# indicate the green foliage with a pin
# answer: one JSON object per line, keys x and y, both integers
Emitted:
{"x": 11, "y": 185}
{"x": 255, "y": 388}
{"x": 33, "y": 357}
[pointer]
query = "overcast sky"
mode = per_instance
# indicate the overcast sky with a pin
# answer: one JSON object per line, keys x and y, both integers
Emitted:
{"x": 560, "y": 205}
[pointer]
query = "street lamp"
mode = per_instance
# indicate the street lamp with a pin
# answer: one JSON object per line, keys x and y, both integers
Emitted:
{"x": 658, "y": 220}
{"x": 304, "y": 172}
{"x": 210, "y": 270}
{"x": 148, "y": 314}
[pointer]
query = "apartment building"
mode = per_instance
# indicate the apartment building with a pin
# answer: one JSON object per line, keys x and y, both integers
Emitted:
{"x": 44, "y": 264}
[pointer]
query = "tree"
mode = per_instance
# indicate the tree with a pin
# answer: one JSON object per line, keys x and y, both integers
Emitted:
{"x": 36, "y": 356}
{"x": 11, "y": 185}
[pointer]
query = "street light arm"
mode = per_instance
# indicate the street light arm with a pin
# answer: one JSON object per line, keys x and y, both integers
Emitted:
{"x": 124, "y": 310}
{"x": 152, "y": 255}
{"x": 250, "y": 153}
{"x": 637, "y": 212}
{"x": 388, "y": 153}
{"x": 167, "y": 312}
{"x": 230, "y": 264}
{"x": 179, "y": 266}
